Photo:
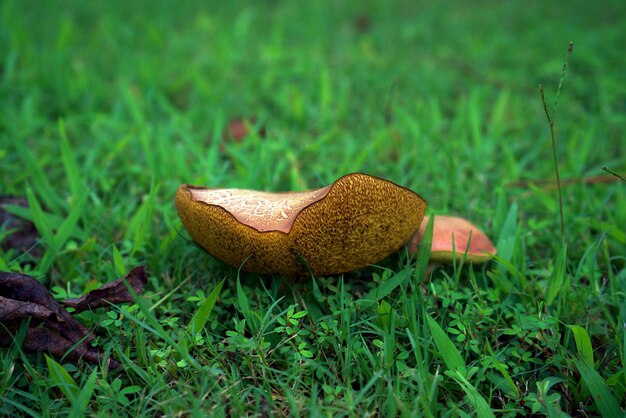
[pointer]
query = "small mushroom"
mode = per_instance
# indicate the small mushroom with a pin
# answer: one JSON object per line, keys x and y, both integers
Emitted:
{"x": 479, "y": 247}
{"x": 356, "y": 221}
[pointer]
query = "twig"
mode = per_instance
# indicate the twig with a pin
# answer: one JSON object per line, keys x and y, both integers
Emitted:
{"x": 614, "y": 173}
{"x": 551, "y": 184}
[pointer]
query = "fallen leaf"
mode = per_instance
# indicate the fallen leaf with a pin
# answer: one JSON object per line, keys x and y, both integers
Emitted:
{"x": 114, "y": 292}
{"x": 362, "y": 23}
{"x": 13, "y": 309}
{"x": 238, "y": 129}
{"x": 44, "y": 340}
{"x": 24, "y": 236}
{"x": 51, "y": 328}
{"x": 23, "y": 288}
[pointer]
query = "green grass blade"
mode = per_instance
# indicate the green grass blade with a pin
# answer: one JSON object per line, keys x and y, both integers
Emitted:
{"x": 40, "y": 221}
{"x": 70, "y": 223}
{"x": 118, "y": 262}
{"x": 19, "y": 406}
{"x": 384, "y": 289}
{"x": 244, "y": 307}
{"x": 79, "y": 406}
{"x": 446, "y": 350}
{"x": 52, "y": 221}
{"x": 510, "y": 386}
{"x": 473, "y": 396}
{"x": 74, "y": 177}
{"x": 385, "y": 311}
{"x": 201, "y": 316}
{"x": 423, "y": 376}
{"x": 508, "y": 233}
{"x": 62, "y": 234}
{"x": 152, "y": 325}
{"x": 583, "y": 343}
{"x": 38, "y": 216}
{"x": 61, "y": 378}
{"x": 557, "y": 278}
{"x": 39, "y": 180}
{"x": 604, "y": 399}
{"x": 423, "y": 255}
{"x": 138, "y": 226}
{"x": 506, "y": 248}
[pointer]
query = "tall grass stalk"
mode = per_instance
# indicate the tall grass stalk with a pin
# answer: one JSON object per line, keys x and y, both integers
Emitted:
{"x": 552, "y": 136}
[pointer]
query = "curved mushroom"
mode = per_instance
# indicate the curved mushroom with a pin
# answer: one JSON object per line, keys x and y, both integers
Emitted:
{"x": 354, "y": 222}
{"x": 479, "y": 247}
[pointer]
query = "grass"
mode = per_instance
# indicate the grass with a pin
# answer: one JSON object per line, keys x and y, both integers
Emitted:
{"x": 105, "y": 107}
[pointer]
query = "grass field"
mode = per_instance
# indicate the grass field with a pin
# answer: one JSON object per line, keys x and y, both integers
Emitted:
{"x": 106, "y": 107}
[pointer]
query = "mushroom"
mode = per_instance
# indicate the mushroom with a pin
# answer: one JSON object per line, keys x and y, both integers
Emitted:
{"x": 352, "y": 223}
{"x": 451, "y": 239}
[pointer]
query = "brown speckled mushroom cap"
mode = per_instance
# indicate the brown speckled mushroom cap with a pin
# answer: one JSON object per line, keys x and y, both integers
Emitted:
{"x": 480, "y": 249}
{"x": 356, "y": 221}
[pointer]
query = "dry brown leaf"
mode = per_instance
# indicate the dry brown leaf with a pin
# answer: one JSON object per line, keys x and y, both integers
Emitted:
{"x": 24, "y": 236}
{"x": 114, "y": 292}
{"x": 51, "y": 328}
{"x": 238, "y": 129}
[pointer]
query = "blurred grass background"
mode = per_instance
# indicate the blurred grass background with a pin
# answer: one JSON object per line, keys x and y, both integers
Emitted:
{"x": 441, "y": 98}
